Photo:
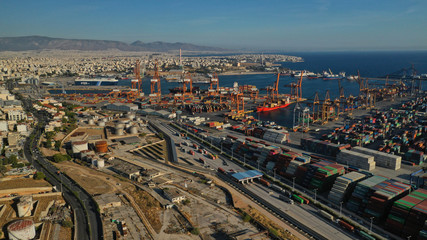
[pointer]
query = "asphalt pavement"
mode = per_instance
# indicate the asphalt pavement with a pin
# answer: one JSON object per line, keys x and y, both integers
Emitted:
{"x": 89, "y": 225}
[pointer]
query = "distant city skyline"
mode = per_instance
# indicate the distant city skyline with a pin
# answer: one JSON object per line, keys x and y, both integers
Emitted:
{"x": 312, "y": 25}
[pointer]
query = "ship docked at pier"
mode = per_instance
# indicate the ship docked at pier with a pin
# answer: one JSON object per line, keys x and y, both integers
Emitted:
{"x": 275, "y": 105}
{"x": 95, "y": 81}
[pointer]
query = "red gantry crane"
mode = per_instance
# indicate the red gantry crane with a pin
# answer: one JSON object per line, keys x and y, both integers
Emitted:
{"x": 155, "y": 82}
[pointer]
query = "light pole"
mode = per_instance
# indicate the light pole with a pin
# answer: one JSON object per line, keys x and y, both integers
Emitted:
{"x": 60, "y": 177}
{"x": 221, "y": 147}
{"x": 315, "y": 195}
{"x": 232, "y": 153}
{"x": 293, "y": 184}
{"x": 258, "y": 165}
{"x": 244, "y": 159}
{"x": 340, "y": 208}
{"x": 274, "y": 176}
{"x": 370, "y": 228}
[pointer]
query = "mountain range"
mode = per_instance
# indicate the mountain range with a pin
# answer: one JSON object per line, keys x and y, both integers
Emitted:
{"x": 47, "y": 43}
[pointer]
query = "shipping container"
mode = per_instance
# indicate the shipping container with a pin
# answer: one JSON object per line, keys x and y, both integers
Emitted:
{"x": 346, "y": 225}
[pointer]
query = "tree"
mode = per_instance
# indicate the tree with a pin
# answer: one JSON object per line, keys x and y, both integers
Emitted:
{"x": 67, "y": 223}
{"x": 160, "y": 135}
{"x": 39, "y": 176}
{"x": 195, "y": 231}
{"x": 57, "y": 145}
{"x": 60, "y": 158}
{"x": 246, "y": 217}
{"x": 3, "y": 169}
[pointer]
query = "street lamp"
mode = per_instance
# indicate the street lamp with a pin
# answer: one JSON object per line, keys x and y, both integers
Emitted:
{"x": 293, "y": 184}
{"x": 60, "y": 177}
{"x": 370, "y": 228}
{"x": 221, "y": 147}
{"x": 315, "y": 195}
{"x": 341, "y": 208}
{"x": 274, "y": 171}
{"x": 244, "y": 159}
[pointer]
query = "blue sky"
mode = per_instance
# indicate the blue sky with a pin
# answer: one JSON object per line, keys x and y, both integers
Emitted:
{"x": 311, "y": 25}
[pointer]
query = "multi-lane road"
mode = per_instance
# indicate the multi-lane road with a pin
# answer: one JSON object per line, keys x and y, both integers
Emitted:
{"x": 88, "y": 223}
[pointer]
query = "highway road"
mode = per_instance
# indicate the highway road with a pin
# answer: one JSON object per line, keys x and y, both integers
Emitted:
{"x": 89, "y": 225}
{"x": 305, "y": 214}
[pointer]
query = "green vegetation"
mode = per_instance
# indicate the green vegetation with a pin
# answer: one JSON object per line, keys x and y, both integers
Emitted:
{"x": 57, "y": 145}
{"x": 39, "y": 176}
{"x": 67, "y": 223}
{"x": 142, "y": 134}
{"x": 246, "y": 217}
{"x": 195, "y": 231}
{"x": 186, "y": 202}
{"x": 60, "y": 157}
{"x": 161, "y": 136}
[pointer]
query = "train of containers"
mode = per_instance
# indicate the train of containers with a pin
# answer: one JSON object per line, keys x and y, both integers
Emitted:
{"x": 408, "y": 215}
{"x": 401, "y": 131}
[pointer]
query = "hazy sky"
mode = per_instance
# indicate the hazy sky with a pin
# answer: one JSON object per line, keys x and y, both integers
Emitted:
{"x": 262, "y": 24}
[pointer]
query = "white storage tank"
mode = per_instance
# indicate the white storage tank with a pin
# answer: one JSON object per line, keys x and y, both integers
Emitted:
{"x": 100, "y": 163}
{"x": 133, "y": 130}
{"x": 127, "y": 125}
{"x": 22, "y": 230}
{"x": 91, "y": 122}
{"x": 79, "y": 146}
{"x": 131, "y": 116}
{"x": 25, "y": 206}
{"x": 101, "y": 123}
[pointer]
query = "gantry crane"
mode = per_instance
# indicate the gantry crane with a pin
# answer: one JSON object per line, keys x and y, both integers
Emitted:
{"x": 237, "y": 103}
{"x": 273, "y": 91}
{"x": 296, "y": 89}
{"x": 187, "y": 80}
{"x": 214, "y": 82}
{"x": 326, "y": 108}
{"x": 155, "y": 82}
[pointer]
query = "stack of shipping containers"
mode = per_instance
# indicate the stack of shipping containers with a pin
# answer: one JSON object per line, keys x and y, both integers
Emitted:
{"x": 408, "y": 215}
{"x": 343, "y": 185}
{"x": 383, "y": 196}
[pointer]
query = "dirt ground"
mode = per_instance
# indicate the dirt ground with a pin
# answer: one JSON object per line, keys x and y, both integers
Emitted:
{"x": 242, "y": 202}
{"x": 65, "y": 233}
{"x": 150, "y": 206}
{"x": 93, "y": 181}
{"x": 23, "y": 183}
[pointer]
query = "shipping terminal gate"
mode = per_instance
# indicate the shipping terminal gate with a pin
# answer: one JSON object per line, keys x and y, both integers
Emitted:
{"x": 246, "y": 177}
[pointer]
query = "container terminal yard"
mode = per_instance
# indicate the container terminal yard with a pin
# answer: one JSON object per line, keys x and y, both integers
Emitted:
{"x": 347, "y": 168}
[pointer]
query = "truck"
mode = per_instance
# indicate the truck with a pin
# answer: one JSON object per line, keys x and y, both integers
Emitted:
{"x": 191, "y": 152}
{"x": 195, "y": 146}
{"x": 221, "y": 170}
{"x": 276, "y": 188}
{"x": 346, "y": 225}
{"x": 326, "y": 215}
{"x": 286, "y": 199}
{"x": 264, "y": 182}
{"x": 202, "y": 160}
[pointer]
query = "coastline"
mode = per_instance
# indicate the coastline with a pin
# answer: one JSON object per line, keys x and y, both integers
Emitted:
{"x": 243, "y": 73}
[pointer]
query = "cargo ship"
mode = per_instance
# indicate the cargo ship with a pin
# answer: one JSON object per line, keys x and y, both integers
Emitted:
{"x": 330, "y": 76}
{"x": 97, "y": 81}
{"x": 266, "y": 107}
